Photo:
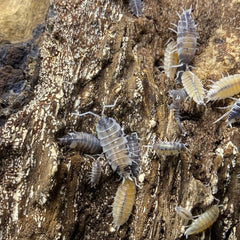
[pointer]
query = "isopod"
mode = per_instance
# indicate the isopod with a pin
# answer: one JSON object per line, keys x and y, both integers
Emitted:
{"x": 193, "y": 86}
{"x": 82, "y": 141}
{"x": 186, "y": 37}
{"x": 168, "y": 148}
{"x": 178, "y": 96}
{"x": 134, "y": 152}
{"x": 224, "y": 88}
{"x": 113, "y": 142}
{"x": 204, "y": 221}
{"x": 114, "y": 145}
{"x": 95, "y": 174}
{"x": 170, "y": 60}
{"x": 233, "y": 114}
{"x": 184, "y": 213}
{"x": 123, "y": 202}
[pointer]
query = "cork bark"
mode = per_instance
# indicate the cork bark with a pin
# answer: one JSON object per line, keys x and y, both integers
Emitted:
{"x": 90, "y": 54}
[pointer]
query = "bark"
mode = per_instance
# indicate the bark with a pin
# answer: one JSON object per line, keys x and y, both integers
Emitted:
{"x": 93, "y": 52}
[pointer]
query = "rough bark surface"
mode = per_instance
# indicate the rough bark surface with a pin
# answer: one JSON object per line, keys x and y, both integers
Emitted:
{"x": 91, "y": 53}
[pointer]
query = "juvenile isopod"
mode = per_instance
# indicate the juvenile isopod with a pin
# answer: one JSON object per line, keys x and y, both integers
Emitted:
{"x": 95, "y": 174}
{"x": 81, "y": 141}
{"x": 178, "y": 96}
{"x": 233, "y": 114}
{"x": 168, "y": 148}
{"x": 123, "y": 202}
{"x": 114, "y": 143}
{"x": 204, "y": 221}
{"x": 193, "y": 86}
{"x": 224, "y": 88}
{"x": 186, "y": 37}
{"x": 170, "y": 60}
{"x": 134, "y": 152}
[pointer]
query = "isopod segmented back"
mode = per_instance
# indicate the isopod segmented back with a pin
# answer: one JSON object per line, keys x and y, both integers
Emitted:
{"x": 186, "y": 37}
{"x": 170, "y": 59}
{"x": 134, "y": 152}
{"x": 168, "y": 148}
{"x": 204, "y": 221}
{"x": 224, "y": 88}
{"x": 95, "y": 173}
{"x": 114, "y": 146}
{"x": 193, "y": 86}
{"x": 123, "y": 202}
{"x": 84, "y": 142}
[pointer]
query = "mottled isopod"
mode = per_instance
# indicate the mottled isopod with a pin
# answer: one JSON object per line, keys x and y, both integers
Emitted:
{"x": 186, "y": 37}
{"x": 204, "y": 221}
{"x": 134, "y": 152}
{"x": 224, "y": 88}
{"x": 82, "y": 141}
{"x": 168, "y": 148}
{"x": 193, "y": 86}
{"x": 170, "y": 60}
{"x": 123, "y": 202}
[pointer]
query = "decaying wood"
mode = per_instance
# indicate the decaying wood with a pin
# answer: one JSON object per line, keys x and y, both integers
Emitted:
{"x": 91, "y": 53}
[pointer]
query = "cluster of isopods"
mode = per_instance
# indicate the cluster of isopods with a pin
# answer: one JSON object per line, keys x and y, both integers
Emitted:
{"x": 181, "y": 54}
{"x": 123, "y": 155}
{"x": 88, "y": 144}
{"x": 123, "y": 152}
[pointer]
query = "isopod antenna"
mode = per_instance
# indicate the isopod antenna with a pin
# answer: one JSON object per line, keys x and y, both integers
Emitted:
{"x": 109, "y": 106}
{"x": 83, "y": 114}
{"x": 94, "y": 114}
